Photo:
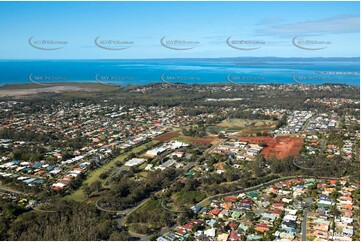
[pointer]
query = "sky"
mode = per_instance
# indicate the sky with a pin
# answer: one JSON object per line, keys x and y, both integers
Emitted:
{"x": 144, "y": 30}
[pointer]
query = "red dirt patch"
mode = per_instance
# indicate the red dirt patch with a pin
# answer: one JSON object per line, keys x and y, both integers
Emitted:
{"x": 280, "y": 147}
{"x": 167, "y": 137}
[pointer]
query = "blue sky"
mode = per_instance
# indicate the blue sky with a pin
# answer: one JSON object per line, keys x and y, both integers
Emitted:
{"x": 272, "y": 24}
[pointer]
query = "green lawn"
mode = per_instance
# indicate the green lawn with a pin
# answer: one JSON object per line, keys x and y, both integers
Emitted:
{"x": 142, "y": 166}
{"x": 188, "y": 197}
{"x": 235, "y": 125}
{"x": 183, "y": 139}
{"x": 205, "y": 203}
{"x": 93, "y": 176}
{"x": 243, "y": 123}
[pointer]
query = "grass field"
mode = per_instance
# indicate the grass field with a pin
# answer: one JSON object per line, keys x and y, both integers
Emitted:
{"x": 244, "y": 123}
{"x": 205, "y": 203}
{"x": 246, "y": 126}
{"x": 183, "y": 139}
{"x": 203, "y": 140}
{"x": 78, "y": 195}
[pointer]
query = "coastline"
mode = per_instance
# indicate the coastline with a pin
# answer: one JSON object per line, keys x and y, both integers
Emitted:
{"x": 17, "y": 90}
{"x": 25, "y": 89}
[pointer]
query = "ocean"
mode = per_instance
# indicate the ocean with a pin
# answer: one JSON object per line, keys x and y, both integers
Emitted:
{"x": 202, "y": 71}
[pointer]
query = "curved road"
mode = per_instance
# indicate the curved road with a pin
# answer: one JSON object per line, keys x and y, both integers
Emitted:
{"x": 170, "y": 210}
{"x": 6, "y": 189}
{"x": 305, "y": 168}
{"x": 250, "y": 189}
{"x": 42, "y": 210}
{"x": 126, "y": 212}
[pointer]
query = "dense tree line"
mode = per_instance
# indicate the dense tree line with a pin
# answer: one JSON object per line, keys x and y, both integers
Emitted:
{"x": 9, "y": 211}
{"x": 69, "y": 221}
{"x": 193, "y": 96}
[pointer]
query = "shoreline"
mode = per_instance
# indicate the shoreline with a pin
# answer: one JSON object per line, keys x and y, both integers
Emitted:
{"x": 25, "y": 89}
{"x": 34, "y": 85}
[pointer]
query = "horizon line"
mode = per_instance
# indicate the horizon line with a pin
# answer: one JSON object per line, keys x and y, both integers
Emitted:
{"x": 180, "y": 58}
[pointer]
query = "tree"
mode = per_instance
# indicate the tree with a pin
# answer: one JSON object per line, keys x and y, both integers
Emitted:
{"x": 74, "y": 221}
{"x": 119, "y": 236}
{"x": 222, "y": 136}
{"x": 103, "y": 176}
{"x": 263, "y": 144}
{"x": 87, "y": 190}
{"x": 96, "y": 186}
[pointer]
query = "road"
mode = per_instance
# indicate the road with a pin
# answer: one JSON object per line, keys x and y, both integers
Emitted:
{"x": 357, "y": 150}
{"x": 304, "y": 221}
{"x": 121, "y": 220}
{"x": 323, "y": 144}
{"x": 126, "y": 212}
{"x": 250, "y": 189}
{"x": 190, "y": 165}
{"x": 304, "y": 225}
{"x": 123, "y": 213}
{"x": 42, "y": 210}
{"x": 6, "y": 189}
{"x": 116, "y": 172}
{"x": 305, "y": 125}
{"x": 214, "y": 146}
{"x": 147, "y": 237}
{"x": 170, "y": 210}
{"x": 305, "y": 168}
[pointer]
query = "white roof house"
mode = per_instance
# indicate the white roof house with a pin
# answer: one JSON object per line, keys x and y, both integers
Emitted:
{"x": 135, "y": 162}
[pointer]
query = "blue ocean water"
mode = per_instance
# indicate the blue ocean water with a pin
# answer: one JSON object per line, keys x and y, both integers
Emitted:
{"x": 237, "y": 70}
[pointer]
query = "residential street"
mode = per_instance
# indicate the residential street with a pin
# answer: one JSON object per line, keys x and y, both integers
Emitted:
{"x": 304, "y": 225}
{"x": 308, "y": 202}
